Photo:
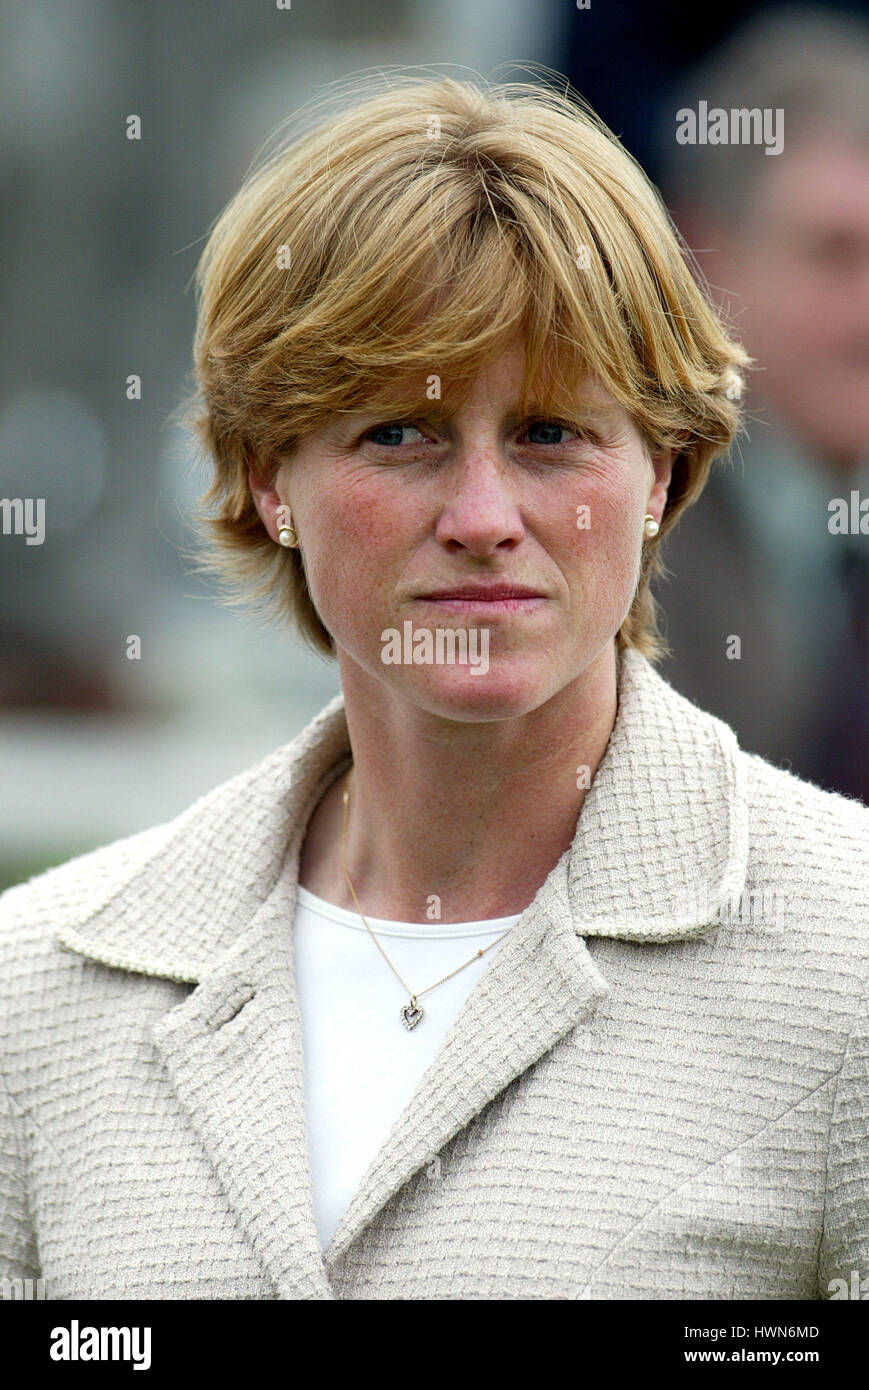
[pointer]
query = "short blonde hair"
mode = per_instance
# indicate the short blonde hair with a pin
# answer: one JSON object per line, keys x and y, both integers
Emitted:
{"x": 415, "y": 234}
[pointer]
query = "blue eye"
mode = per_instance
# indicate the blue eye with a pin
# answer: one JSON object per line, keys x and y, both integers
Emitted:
{"x": 548, "y": 426}
{"x": 392, "y": 427}
{"x": 388, "y": 435}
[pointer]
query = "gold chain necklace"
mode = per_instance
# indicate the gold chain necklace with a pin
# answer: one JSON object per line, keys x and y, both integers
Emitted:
{"x": 411, "y": 1013}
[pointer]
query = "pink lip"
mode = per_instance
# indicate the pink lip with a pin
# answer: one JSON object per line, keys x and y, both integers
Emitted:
{"x": 500, "y": 598}
{"x": 491, "y": 593}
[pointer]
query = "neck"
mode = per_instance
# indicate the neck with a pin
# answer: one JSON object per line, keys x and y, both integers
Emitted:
{"x": 475, "y": 814}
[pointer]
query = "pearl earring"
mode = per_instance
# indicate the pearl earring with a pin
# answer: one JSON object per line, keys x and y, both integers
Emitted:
{"x": 287, "y": 536}
{"x": 650, "y": 527}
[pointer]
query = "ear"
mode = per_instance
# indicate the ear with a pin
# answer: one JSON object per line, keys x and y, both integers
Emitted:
{"x": 269, "y": 499}
{"x": 662, "y": 466}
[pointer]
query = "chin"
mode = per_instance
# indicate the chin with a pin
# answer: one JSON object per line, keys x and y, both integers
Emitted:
{"x": 506, "y": 691}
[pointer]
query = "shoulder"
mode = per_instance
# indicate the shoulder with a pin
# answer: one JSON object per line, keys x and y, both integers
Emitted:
{"x": 173, "y": 896}
{"x": 813, "y": 828}
{"x": 804, "y": 849}
{"x": 815, "y": 835}
{"x": 72, "y": 892}
{"x": 809, "y": 852}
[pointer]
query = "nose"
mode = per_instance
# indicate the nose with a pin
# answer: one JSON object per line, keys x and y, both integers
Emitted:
{"x": 480, "y": 512}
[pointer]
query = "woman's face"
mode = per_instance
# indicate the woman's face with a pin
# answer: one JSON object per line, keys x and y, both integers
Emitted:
{"x": 390, "y": 514}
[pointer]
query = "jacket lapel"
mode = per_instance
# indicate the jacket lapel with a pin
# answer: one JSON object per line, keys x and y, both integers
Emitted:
{"x": 660, "y": 847}
{"x": 212, "y": 907}
{"x": 232, "y": 1052}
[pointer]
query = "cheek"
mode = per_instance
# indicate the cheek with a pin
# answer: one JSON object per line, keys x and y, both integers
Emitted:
{"x": 607, "y": 545}
{"x": 352, "y": 549}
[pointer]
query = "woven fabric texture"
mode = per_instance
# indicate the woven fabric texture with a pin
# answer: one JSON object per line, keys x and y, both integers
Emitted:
{"x": 659, "y": 1088}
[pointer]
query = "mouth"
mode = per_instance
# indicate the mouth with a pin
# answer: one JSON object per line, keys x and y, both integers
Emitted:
{"x": 489, "y": 598}
{"x": 486, "y": 591}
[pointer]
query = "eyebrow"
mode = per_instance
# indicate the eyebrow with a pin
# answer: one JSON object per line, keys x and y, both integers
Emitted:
{"x": 601, "y": 413}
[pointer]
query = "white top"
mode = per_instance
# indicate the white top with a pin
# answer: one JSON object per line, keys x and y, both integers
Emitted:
{"x": 361, "y": 1065}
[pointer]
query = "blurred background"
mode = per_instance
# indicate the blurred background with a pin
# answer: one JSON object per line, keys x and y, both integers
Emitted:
{"x": 99, "y": 237}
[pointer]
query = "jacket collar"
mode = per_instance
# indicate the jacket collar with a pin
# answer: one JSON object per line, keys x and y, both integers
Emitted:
{"x": 660, "y": 845}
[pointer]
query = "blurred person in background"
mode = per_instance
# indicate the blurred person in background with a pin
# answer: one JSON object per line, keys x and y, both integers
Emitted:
{"x": 776, "y": 551}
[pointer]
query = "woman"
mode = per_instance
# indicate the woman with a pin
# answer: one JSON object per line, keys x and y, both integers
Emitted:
{"x": 512, "y": 976}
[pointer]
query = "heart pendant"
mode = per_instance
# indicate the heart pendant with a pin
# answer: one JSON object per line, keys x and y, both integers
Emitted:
{"x": 411, "y": 1014}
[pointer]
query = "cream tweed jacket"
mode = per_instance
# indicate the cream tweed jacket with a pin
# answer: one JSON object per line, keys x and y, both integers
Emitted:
{"x": 659, "y": 1088}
